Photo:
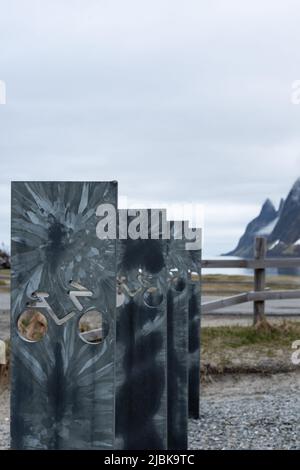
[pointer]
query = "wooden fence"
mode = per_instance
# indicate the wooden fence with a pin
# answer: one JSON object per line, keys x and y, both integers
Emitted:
{"x": 259, "y": 295}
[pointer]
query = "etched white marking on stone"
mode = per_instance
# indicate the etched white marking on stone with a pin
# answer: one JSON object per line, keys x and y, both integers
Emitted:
{"x": 81, "y": 292}
{"x": 41, "y": 302}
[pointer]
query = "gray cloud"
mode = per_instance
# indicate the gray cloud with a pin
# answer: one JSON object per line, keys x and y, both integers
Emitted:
{"x": 178, "y": 101}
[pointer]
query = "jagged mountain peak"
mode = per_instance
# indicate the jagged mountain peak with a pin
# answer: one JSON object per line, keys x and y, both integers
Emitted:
{"x": 295, "y": 191}
{"x": 287, "y": 229}
{"x": 268, "y": 203}
{"x": 268, "y": 207}
{"x": 261, "y": 224}
{"x": 281, "y": 227}
{"x": 297, "y": 183}
{"x": 281, "y": 204}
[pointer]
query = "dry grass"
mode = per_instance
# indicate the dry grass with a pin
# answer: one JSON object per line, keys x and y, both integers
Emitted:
{"x": 236, "y": 349}
{"x": 5, "y": 272}
{"x": 221, "y": 284}
{"x": 276, "y": 335}
{"x": 5, "y": 280}
{"x": 4, "y": 369}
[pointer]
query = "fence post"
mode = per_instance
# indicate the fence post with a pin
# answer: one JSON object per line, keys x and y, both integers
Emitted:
{"x": 2, "y": 360}
{"x": 2, "y": 353}
{"x": 260, "y": 249}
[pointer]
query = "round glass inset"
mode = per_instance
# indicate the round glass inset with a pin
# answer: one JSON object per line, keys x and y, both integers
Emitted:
{"x": 178, "y": 283}
{"x": 120, "y": 299}
{"x": 92, "y": 327}
{"x": 32, "y": 325}
{"x": 153, "y": 297}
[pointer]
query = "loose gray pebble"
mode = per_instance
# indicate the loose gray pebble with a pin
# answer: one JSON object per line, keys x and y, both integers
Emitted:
{"x": 272, "y": 422}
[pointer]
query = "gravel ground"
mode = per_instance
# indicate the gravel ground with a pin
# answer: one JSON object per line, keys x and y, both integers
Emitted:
{"x": 237, "y": 412}
{"x": 252, "y": 412}
{"x": 4, "y": 419}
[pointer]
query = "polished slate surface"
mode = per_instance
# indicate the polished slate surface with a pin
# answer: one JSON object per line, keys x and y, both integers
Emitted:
{"x": 177, "y": 314}
{"x": 141, "y": 398}
{"x": 194, "y": 264}
{"x": 62, "y": 387}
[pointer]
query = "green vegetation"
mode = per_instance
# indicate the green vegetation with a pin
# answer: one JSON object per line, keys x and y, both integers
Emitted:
{"x": 4, "y": 280}
{"x": 266, "y": 348}
{"x": 224, "y": 337}
{"x": 5, "y": 272}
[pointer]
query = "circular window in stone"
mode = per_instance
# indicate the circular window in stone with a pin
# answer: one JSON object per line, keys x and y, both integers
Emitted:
{"x": 32, "y": 325}
{"x": 178, "y": 283}
{"x": 92, "y": 327}
{"x": 120, "y": 299}
{"x": 153, "y": 297}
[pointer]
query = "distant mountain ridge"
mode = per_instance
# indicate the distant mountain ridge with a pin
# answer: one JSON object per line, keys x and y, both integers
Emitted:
{"x": 281, "y": 227}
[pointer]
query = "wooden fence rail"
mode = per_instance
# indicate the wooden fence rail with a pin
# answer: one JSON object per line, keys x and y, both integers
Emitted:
{"x": 252, "y": 263}
{"x": 251, "y": 296}
{"x": 260, "y": 294}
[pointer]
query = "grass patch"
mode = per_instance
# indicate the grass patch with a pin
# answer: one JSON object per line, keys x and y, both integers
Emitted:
{"x": 5, "y": 272}
{"x": 4, "y": 280}
{"x": 5, "y": 369}
{"x": 247, "y": 349}
{"x": 224, "y": 337}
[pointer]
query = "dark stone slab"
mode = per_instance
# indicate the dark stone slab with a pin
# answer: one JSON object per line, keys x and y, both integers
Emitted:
{"x": 141, "y": 398}
{"x": 177, "y": 316}
{"x": 194, "y": 331}
{"x": 62, "y": 387}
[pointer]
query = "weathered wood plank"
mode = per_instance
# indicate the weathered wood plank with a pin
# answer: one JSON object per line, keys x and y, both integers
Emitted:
{"x": 252, "y": 264}
{"x": 226, "y": 302}
{"x": 249, "y": 297}
{"x": 274, "y": 295}
{"x": 226, "y": 263}
{"x": 260, "y": 249}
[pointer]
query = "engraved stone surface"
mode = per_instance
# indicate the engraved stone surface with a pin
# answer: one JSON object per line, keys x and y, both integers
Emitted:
{"x": 177, "y": 308}
{"x": 141, "y": 354}
{"x": 194, "y": 331}
{"x": 62, "y": 386}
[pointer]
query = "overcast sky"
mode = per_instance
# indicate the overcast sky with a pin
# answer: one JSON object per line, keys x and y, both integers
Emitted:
{"x": 180, "y": 101}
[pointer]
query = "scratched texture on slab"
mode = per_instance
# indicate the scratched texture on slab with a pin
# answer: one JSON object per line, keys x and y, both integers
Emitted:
{"x": 194, "y": 331}
{"x": 62, "y": 387}
{"x": 141, "y": 346}
{"x": 177, "y": 318}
